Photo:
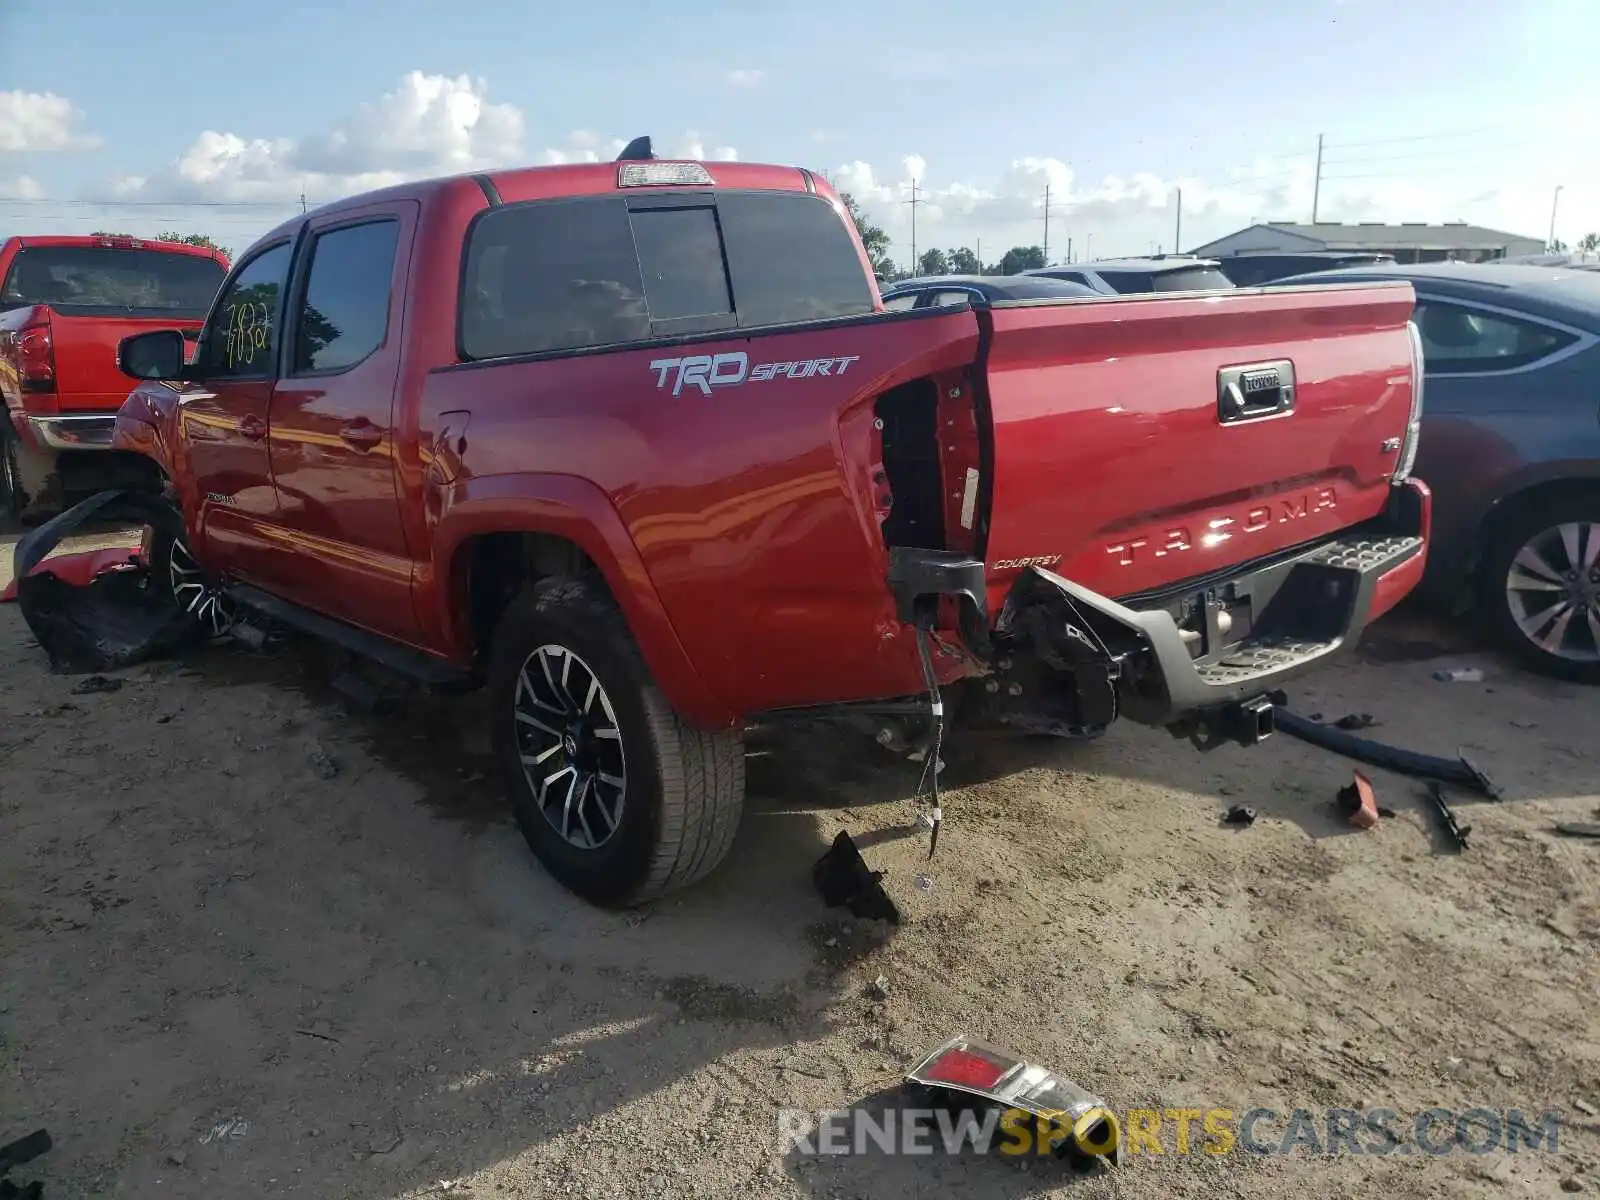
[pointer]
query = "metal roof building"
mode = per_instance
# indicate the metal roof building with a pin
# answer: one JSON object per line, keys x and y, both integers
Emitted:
{"x": 1409, "y": 242}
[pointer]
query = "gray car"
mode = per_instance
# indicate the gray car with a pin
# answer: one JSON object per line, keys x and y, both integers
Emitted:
{"x": 1511, "y": 448}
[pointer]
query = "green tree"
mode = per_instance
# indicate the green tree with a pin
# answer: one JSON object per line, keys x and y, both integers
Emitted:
{"x": 964, "y": 262}
{"x": 1021, "y": 258}
{"x": 1589, "y": 243}
{"x": 195, "y": 239}
{"x": 873, "y": 238}
{"x": 933, "y": 262}
{"x": 1558, "y": 247}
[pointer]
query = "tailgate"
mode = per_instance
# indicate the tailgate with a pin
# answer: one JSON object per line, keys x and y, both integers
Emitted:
{"x": 87, "y": 378}
{"x": 1117, "y": 464}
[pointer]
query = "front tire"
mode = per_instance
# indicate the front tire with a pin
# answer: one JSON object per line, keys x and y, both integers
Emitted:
{"x": 12, "y": 497}
{"x": 618, "y": 797}
{"x": 1540, "y": 587}
{"x": 175, "y": 574}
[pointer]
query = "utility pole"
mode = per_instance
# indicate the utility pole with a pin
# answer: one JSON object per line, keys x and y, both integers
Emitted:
{"x": 1069, "y": 249}
{"x": 1047, "y": 227}
{"x": 1047, "y": 224}
{"x": 1554, "y": 200}
{"x": 980, "y": 256}
{"x": 914, "y": 201}
{"x": 1316, "y": 183}
{"x": 302, "y": 201}
{"x": 1177, "y": 233}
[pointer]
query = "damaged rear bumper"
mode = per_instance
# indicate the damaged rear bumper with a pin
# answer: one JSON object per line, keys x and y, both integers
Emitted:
{"x": 1199, "y": 656}
{"x": 1176, "y": 663}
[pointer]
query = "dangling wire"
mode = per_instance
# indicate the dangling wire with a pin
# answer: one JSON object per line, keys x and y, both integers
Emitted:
{"x": 930, "y": 762}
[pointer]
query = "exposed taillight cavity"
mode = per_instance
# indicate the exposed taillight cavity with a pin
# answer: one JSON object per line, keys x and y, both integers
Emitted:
{"x": 1408, "y": 448}
{"x": 663, "y": 174}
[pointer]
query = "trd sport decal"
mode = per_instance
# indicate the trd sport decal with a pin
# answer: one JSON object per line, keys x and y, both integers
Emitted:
{"x": 707, "y": 371}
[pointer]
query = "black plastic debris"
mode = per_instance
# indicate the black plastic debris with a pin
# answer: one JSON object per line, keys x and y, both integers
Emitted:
{"x": 91, "y": 685}
{"x": 1452, "y": 826}
{"x": 1461, "y": 771}
{"x": 15, "y": 1154}
{"x": 1355, "y": 721}
{"x": 1240, "y": 814}
{"x": 843, "y": 878}
{"x": 119, "y": 618}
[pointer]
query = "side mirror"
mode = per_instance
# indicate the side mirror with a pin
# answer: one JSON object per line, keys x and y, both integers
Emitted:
{"x": 155, "y": 355}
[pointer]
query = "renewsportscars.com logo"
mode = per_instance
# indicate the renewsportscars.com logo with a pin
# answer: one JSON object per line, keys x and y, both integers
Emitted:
{"x": 708, "y": 371}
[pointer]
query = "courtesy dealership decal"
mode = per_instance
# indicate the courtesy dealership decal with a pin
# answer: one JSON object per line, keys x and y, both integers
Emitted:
{"x": 708, "y": 371}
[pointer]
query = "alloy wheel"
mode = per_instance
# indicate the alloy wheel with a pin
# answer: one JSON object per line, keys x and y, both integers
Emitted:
{"x": 196, "y": 594}
{"x": 1553, "y": 591}
{"x": 570, "y": 746}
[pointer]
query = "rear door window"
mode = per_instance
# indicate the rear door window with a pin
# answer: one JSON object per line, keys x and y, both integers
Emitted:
{"x": 109, "y": 280}
{"x": 344, "y": 313}
{"x": 1459, "y": 340}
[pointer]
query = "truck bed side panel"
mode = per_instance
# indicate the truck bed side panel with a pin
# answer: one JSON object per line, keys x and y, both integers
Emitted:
{"x": 750, "y": 504}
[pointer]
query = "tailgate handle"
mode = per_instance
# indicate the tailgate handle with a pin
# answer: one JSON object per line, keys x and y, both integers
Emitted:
{"x": 1255, "y": 390}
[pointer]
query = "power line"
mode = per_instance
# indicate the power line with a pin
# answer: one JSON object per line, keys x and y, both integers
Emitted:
{"x": 35, "y": 200}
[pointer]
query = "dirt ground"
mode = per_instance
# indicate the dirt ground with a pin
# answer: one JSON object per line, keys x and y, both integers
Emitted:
{"x": 257, "y": 943}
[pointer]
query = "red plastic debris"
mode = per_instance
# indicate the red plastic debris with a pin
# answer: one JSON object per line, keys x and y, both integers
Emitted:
{"x": 78, "y": 569}
{"x": 1359, "y": 803}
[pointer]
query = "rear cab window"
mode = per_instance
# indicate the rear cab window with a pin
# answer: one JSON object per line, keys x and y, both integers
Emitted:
{"x": 592, "y": 272}
{"x": 1191, "y": 279}
{"x": 112, "y": 280}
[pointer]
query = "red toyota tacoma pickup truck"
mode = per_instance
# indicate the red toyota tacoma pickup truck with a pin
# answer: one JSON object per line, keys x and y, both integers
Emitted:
{"x": 65, "y": 303}
{"x": 636, "y": 445}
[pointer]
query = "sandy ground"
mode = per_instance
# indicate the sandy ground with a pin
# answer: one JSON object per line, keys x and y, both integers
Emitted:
{"x": 226, "y": 974}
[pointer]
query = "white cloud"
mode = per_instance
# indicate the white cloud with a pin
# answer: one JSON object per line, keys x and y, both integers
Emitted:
{"x": 746, "y": 77}
{"x": 39, "y": 121}
{"x": 1137, "y": 213}
{"x": 429, "y": 125}
{"x": 21, "y": 187}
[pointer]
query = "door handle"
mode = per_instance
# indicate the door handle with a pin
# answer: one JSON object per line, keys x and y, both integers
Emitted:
{"x": 252, "y": 427}
{"x": 362, "y": 434}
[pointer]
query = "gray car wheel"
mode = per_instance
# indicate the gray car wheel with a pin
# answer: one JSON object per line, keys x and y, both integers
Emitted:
{"x": 1541, "y": 587}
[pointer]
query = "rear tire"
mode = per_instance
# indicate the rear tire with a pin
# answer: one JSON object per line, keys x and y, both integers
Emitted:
{"x": 636, "y": 802}
{"x": 1539, "y": 586}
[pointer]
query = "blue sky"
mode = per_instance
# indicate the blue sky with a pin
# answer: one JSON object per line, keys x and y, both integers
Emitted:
{"x": 1431, "y": 110}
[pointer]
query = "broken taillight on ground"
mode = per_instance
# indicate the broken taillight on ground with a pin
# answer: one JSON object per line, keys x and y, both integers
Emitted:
{"x": 1078, "y": 1126}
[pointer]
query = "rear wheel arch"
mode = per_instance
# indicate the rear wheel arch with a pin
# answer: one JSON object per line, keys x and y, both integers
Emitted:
{"x": 491, "y": 569}
{"x": 525, "y": 529}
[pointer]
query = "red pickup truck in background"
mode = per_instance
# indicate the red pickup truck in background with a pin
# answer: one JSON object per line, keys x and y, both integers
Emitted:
{"x": 636, "y": 445}
{"x": 65, "y": 303}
